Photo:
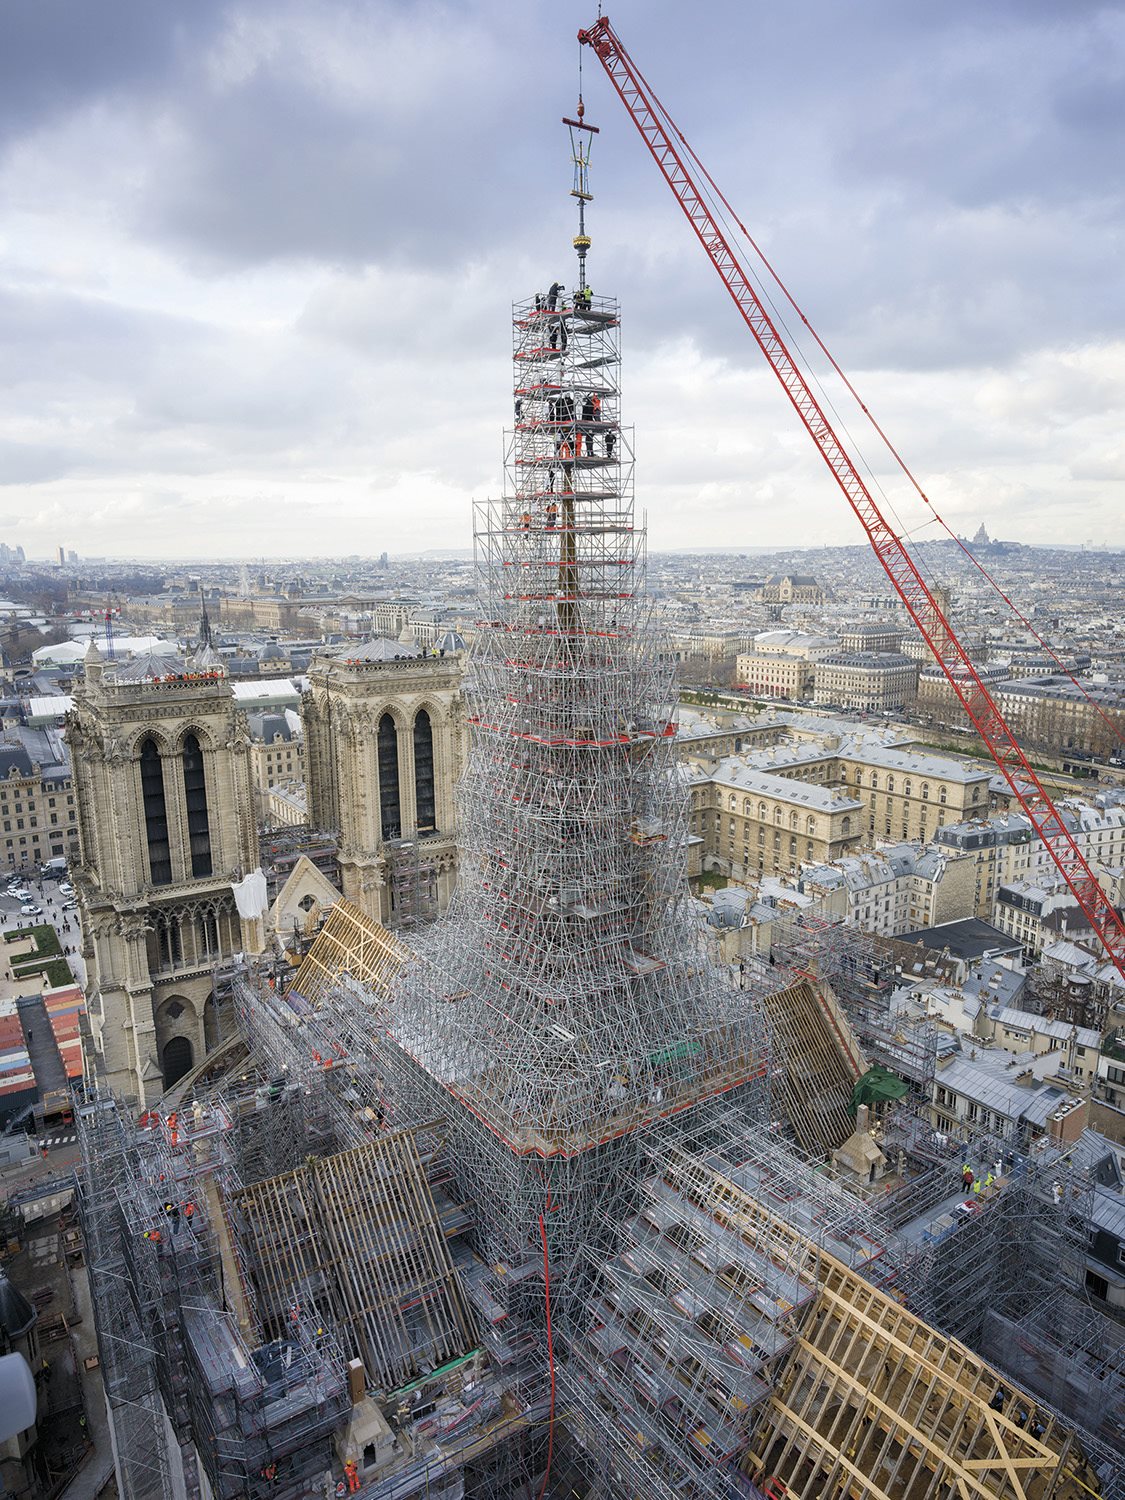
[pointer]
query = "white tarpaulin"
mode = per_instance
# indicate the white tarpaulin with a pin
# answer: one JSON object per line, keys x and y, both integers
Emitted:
{"x": 250, "y": 895}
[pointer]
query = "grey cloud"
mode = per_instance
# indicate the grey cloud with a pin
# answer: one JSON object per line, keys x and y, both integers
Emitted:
{"x": 938, "y": 184}
{"x": 58, "y": 55}
{"x": 33, "y": 463}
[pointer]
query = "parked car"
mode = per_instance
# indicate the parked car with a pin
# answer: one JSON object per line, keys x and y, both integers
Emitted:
{"x": 31, "y": 910}
{"x": 65, "y": 888}
{"x": 70, "y": 905}
{"x": 21, "y": 893}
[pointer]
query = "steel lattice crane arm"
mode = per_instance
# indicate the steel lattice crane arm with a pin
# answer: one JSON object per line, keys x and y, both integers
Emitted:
{"x": 670, "y": 152}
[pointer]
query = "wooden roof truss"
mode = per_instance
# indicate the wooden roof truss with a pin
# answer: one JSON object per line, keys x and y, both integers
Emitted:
{"x": 357, "y": 1237}
{"x": 352, "y": 943}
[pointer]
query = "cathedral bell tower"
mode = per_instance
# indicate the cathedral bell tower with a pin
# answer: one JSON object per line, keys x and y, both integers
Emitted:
{"x": 167, "y": 822}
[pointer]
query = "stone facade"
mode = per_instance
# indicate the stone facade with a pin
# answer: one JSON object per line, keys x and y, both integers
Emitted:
{"x": 754, "y": 823}
{"x": 898, "y": 889}
{"x": 791, "y": 588}
{"x": 1050, "y": 713}
{"x": 37, "y": 808}
{"x": 937, "y": 698}
{"x": 384, "y": 745}
{"x": 1001, "y": 848}
{"x": 277, "y": 755}
{"x": 871, "y": 681}
{"x": 871, "y": 635}
{"x": 823, "y": 797}
{"x": 911, "y": 793}
{"x": 167, "y": 820}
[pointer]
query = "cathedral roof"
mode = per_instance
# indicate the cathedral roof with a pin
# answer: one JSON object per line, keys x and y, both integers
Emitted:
{"x": 151, "y": 668}
{"x": 377, "y": 649}
{"x": 207, "y": 659}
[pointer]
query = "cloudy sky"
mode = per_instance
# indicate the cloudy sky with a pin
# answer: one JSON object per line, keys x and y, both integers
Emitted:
{"x": 257, "y": 259}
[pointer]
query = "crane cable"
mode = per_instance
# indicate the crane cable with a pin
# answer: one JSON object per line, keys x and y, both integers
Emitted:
{"x": 890, "y": 447}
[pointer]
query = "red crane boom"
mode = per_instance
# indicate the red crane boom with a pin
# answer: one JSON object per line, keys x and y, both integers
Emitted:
{"x": 661, "y": 139}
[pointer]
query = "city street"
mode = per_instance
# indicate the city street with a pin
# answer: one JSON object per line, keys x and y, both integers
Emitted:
{"x": 45, "y": 893}
{"x": 62, "y": 1152}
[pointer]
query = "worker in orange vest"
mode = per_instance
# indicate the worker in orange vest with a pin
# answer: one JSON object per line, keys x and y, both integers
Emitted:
{"x": 352, "y": 1474}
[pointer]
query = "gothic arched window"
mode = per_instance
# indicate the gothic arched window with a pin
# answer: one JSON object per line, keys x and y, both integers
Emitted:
{"x": 425, "y": 802}
{"x": 156, "y": 814}
{"x": 195, "y": 795}
{"x": 387, "y": 749}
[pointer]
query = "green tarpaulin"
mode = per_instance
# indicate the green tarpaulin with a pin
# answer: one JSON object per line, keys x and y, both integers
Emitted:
{"x": 877, "y": 1086}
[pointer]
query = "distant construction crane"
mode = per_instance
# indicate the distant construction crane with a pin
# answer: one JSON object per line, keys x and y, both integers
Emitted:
{"x": 685, "y": 174}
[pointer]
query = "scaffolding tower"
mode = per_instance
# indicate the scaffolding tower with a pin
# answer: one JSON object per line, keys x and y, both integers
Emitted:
{"x": 128, "y": 1359}
{"x": 563, "y": 1011}
{"x": 205, "y": 1394}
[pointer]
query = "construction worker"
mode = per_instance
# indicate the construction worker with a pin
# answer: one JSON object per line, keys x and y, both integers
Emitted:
{"x": 583, "y": 298}
{"x": 352, "y": 1475}
{"x": 966, "y": 1177}
{"x": 558, "y": 331}
{"x": 610, "y": 443}
{"x": 989, "y": 1180}
{"x": 587, "y": 416}
{"x": 552, "y": 515}
{"x": 153, "y": 1234}
{"x": 525, "y": 521}
{"x": 596, "y": 405}
{"x": 553, "y": 295}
